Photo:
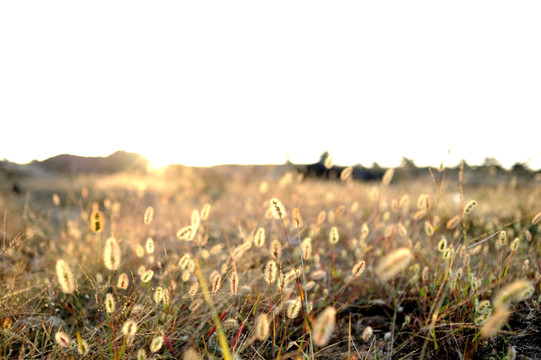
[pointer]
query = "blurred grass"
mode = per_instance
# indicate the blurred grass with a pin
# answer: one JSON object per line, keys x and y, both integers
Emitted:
{"x": 427, "y": 310}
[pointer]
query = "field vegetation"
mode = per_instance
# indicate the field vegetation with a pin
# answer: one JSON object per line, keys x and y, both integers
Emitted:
{"x": 244, "y": 263}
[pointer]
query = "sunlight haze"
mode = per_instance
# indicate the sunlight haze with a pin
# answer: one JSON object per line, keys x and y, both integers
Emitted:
{"x": 243, "y": 82}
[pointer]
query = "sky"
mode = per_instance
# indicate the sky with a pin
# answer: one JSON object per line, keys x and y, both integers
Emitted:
{"x": 202, "y": 83}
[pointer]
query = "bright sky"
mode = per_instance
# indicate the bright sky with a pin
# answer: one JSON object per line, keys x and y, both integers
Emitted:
{"x": 210, "y": 82}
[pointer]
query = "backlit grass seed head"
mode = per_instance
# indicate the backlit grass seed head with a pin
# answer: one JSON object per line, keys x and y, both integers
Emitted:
{"x": 82, "y": 347}
{"x": 387, "y": 177}
{"x": 241, "y": 249}
{"x": 293, "y": 308}
{"x": 56, "y": 200}
{"x": 447, "y": 253}
{"x": 186, "y": 233}
{"x": 149, "y": 215}
{"x": 503, "y": 238}
{"x": 123, "y": 281}
{"x": 216, "y": 284}
{"x": 270, "y": 272}
{"x": 536, "y": 219}
{"x": 358, "y": 269}
{"x": 494, "y": 323}
{"x": 158, "y": 295}
{"x": 365, "y": 230}
{"x": 442, "y": 245}
{"x": 452, "y": 223}
{"x": 513, "y": 293}
{"x": 367, "y": 333}
{"x": 429, "y": 229}
{"x": 129, "y": 328}
{"x": 195, "y": 219}
{"x": 278, "y": 209}
{"x": 205, "y": 211}
{"x": 62, "y": 339}
{"x": 111, "y": 254}
{"x": 259, "y": 238}
{"x": 196, "y": 304}
{"x": 346, "y": 173}
{"x": 191, "y": 266}
{"x": 150, "y": 246}
{"x": 528, "y": 235}
{"x": 234, "y": 283}
{"x": 296, "y": 217}
{"x": 191, "y": 354}
{"x": 166, "y": 297}
{"x": 183, "y": 262}
{"x": 141, "y": 354}
{"x": 404, "y": 201}
{"x": 262, "y": 327}
{"x": 318, "y": 274}
{"x": 321, "y": 217}
{"x": 515, "y": 244}
{"x": 147, "y": 276}
{"x": 110, "y": 304}
{"x": 193, "y": 289}
{"x": 423, "y": 202}
{"x": 333, "y": 235}
{"x": 306, "y": 248}
{"x": 394, "y": 263}
{"x": 324, "y": 326}
{"x": 139, "y": 251}
{"x": 65, "y": 277}
{"x": 469, "y": 207}
{"x": 276, "y": 249}
{"x": 156, "y": 343}
{"x": 96, "y": 221}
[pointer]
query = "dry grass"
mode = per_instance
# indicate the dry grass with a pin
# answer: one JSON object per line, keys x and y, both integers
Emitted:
{"x": 213, "y": 295}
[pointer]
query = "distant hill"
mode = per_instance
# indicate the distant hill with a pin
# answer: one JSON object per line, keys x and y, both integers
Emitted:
{"x": 119, "y": 161}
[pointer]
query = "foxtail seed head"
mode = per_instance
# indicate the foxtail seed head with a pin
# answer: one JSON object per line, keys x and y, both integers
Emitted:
{"x": 195, "y": 219}
{"x": 234, "y": 282}
{"x": 513, "y": 293}
{"x": 452, "y": 223}
{"x": 129, "y": 328}
{"x": 293, "y": 308}
{"x": 358, "y": 269}
{"x": 149, "y": 215}
{"x": 494, "y": 323}
{"x": 276, "y": 249}
{"x": 278, "y": 209}
{"x": 110, "y": 304}
{"x": 65, "y": 277}
{"x": 270, "y": 272}
{"x": 111, "y": 254}
{"x": 156, "y": 343}
{"x": 324, "y": 326}
{"x": 394, "y": 263}
{"x": 96, "y": 221}
{"x": 306, "y": 247}
{"x": 62, "y": 339}
{"x": 150, "y": 246}
{"x": 387, "y": 177}
{"x": 259, "y": 238}
{"x": 296, "y": 217}
{"x": 333, "y": 235}
{"x": 469, "y": 207}
{"x": 205, "y": 211}
{"x": 262, "y": 327}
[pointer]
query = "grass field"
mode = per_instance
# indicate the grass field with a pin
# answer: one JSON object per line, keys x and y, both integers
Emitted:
{"x": 207, "y": 264}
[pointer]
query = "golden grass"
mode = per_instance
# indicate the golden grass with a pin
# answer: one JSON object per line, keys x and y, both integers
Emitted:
{"x": 395, "y": 269}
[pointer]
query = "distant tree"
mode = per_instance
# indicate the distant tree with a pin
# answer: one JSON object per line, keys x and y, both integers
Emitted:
{"x": 323, "y": 157}
{"x": 407, "y": 163}
{"x": 492, "y": 162}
